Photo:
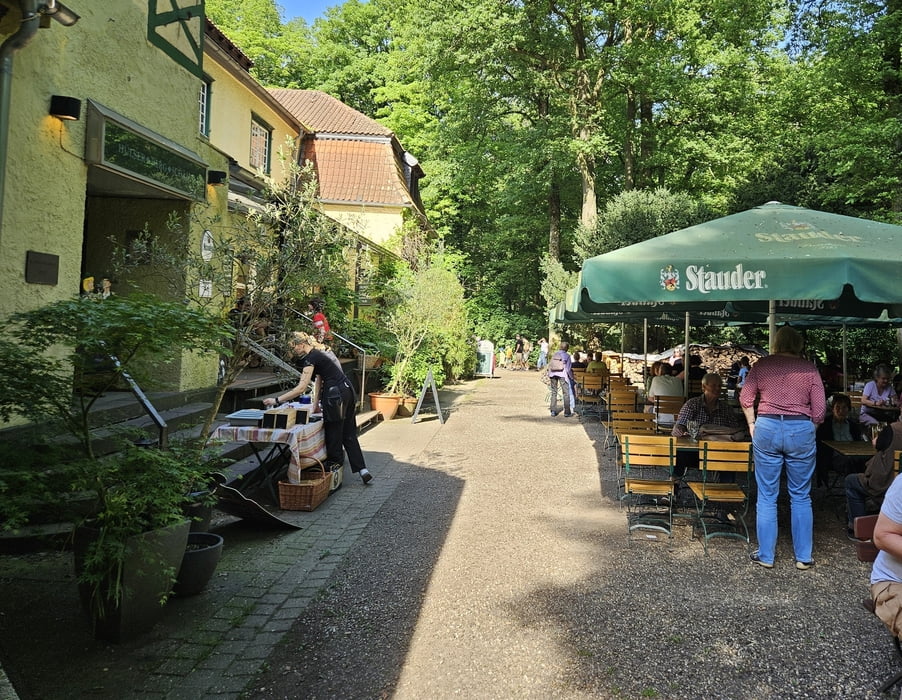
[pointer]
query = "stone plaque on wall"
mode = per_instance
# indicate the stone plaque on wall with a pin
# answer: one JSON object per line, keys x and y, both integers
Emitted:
{"x": 41, "y": 268}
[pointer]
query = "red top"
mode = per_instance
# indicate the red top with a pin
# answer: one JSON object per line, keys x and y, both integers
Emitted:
{"x": 786, "y": 385}
{"x": 323, "y": 332}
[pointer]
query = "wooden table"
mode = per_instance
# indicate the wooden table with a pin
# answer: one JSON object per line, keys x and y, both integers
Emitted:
{"x": 303, "y": 440}
{"x": 852, "y": 448}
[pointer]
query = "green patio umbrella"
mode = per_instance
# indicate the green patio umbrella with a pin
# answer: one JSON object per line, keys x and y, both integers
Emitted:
{"x": 808, "y": 266}
{"x": 773, "y": 258}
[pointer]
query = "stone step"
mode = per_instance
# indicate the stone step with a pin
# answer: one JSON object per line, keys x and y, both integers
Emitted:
{"x": 108, "y": 439}
{"x": 367, "y": 419}
{"x": 119, "y": 406}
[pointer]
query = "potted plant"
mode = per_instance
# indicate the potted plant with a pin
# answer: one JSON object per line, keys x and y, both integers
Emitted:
{"x": 129, "y": 547}
{"x": 428, "y": 324}
{"x": 198, "y": 564}
{"x": 130, "y": 492}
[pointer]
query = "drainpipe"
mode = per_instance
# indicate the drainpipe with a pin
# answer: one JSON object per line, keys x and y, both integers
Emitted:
{"x": 27, "y": 30}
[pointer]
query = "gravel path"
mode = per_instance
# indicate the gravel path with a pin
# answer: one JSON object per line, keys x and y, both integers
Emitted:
{"x": 500, "y": 568}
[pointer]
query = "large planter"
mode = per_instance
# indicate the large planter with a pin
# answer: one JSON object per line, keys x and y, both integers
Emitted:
{"x": 152, "y": 559}
{"x": 386, "y": 404}
{"x": 199, "y": 512}
{"x": 199, "y": 562}
{"x": 406, "y": 407}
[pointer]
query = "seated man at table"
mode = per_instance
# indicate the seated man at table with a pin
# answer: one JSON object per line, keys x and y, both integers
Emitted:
{"x": 664, "y": 384}
{"x": 878, "y": 474}
{"x": 837, "y": 428}
{"x": 597, "y": 366}
{"x": 709, "y": 410}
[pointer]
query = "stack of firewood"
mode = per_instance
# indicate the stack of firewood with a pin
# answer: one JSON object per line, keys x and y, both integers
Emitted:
{"x": 715, "y": 358}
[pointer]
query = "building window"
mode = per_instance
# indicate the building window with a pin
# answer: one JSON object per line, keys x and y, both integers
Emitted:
{"x": 206, "y": 88}
{"x": 261, "y": 139}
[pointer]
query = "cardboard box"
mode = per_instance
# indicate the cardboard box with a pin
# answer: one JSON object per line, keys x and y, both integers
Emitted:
{"x": 279, "y": 418}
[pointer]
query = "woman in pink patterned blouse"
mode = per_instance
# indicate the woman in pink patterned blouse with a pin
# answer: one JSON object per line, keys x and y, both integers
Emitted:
{"x": 791, "y": 403}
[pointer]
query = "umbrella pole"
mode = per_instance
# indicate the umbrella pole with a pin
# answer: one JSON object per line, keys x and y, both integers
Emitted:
{"x": 686, "y": 357}
{"x": 622, "y": 346}
{"x": 771, "y": 323}
{"x": 845, "y": 376}
{"x": 645, "y": 350}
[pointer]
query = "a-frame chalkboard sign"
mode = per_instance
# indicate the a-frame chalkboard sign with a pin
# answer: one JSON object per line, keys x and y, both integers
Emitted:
{"x": 428, "y": 385}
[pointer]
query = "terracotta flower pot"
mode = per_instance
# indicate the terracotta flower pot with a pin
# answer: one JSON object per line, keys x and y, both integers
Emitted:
{"x": 386, "y": 404}
{"x": 407, "y": 406}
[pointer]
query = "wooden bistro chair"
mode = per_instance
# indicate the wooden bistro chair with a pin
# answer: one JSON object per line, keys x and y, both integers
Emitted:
{"x": 625, "y": 423}
{"x": 667, "y": 408}
{"x": 588, "y": 393}
{"x": 617, "y": 402}
{"x": 863, "y": 528}
{"x": 618, "y": 383}
{"x": 716, "y": 500}
{"x": 636, "y": 423}
{"x": 578, "y": 374}
{"x": 648, "y": 484}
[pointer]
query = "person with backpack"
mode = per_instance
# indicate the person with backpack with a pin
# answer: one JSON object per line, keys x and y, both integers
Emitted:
{"x": 560, "y": 374}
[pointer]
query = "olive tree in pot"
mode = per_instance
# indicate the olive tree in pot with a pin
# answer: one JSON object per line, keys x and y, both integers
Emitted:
{"x": 130, "y": 492}
{"x": 429, "y": 326}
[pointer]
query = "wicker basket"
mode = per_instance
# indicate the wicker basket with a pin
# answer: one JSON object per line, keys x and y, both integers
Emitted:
{"x": 308, "y": 494}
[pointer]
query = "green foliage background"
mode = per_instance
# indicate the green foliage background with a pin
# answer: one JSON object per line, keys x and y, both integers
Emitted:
{"x": 549, "y": 131}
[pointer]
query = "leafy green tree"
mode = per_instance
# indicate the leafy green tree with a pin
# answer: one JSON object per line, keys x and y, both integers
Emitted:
{"x": 280, "y": 52}
{"x": 430, "y": 326}
{"x": 638, "y": 215}
{"x": 37, "y": 383}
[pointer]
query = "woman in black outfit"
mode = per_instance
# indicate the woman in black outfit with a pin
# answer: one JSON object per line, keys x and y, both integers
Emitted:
{"x": 336, "y": 397}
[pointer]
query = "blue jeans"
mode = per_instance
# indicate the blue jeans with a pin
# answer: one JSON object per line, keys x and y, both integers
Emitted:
{"x": 856, "y": 498}
{"x": 778, "y": 442}
{"x": 543, "y": 360}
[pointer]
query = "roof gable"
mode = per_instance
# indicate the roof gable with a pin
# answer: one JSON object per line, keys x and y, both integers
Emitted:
{"x": 356, "y": 171}
{"x": 356, "y": 159}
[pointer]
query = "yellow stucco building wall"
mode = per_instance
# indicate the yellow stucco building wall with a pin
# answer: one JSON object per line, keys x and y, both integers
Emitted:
{"x": 234, "y": 103}
{"x": 54, "y": 202}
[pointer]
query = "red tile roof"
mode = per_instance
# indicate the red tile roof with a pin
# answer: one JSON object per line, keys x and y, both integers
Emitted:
{"x": 360, "y": 172}
{"x": 354, "y": 156}
{"x": 325, "y": 114}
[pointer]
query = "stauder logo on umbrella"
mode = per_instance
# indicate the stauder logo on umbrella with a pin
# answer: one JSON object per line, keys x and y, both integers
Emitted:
{"x": 701, "y": 279}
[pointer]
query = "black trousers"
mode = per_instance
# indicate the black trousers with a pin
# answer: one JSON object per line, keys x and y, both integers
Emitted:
{"x": 341, "y": 435}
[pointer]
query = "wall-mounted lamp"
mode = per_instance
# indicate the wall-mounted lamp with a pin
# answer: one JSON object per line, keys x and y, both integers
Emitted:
{"x": 63, "y": 107}
{"x": 57, "y": 11}
{"x": 216, "y": 177}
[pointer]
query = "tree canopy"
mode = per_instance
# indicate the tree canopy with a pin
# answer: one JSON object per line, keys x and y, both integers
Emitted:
{"x": 533, "y": 119}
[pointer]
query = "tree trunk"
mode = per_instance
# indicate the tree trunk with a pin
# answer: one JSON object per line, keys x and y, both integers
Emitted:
{"x": 586, "y": 163}
{"x": 629, "y": 164}
{"x": 554, "y": 219}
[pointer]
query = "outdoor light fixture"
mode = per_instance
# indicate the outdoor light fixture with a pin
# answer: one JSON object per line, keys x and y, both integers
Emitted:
{"x": 57, "y": 11}
{"x": 62, "y": 107}
{"x": 216, "y": 177}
